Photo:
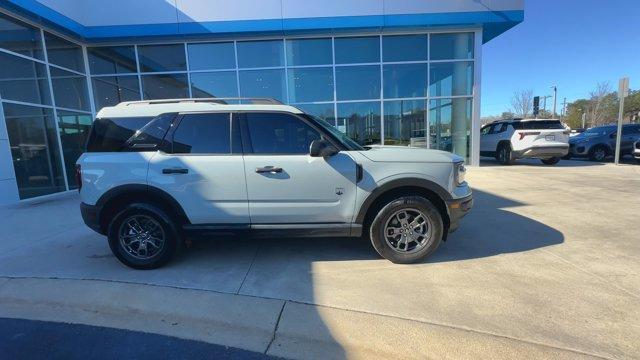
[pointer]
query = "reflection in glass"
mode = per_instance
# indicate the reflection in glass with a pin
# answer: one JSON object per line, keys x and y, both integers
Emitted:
{"x": 23, "y": 80}
{"x": 404, "y": 47}
{"x": 353, "y": 50}
{"x": 20, "y": 37}
{"x": 358, "y": 82}
{"x": 162, "y": 58}
{"x": 263, "y": 83}
{"x": 74, "y": 130}
{"x": 64, "y": 53}
{"x": 69, "y": 89}
{"x": 451, "y": 46}
{"x": 360, "y": 121}
{"x": 405, "y": 123}
{"x": 34, "y": 149}
{"x": 309, "y": 52}
{"x": 214, "y": 84}
{"x": 310, "y": 84}
{"x": 253, "y": 54}
{"x": 450, "y": 125}
{"x": 166, "y": 86}
{"x": 111, "y": 90}
{"x": 405, "y": 81}
{"x": 211, "y": 56}
{"x": 112, "y": 60}
{"x": 321, "y": 111}
{"x": 451, "y": 79}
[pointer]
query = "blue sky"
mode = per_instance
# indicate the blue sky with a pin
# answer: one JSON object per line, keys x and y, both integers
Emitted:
{"x": 573, "y": 44}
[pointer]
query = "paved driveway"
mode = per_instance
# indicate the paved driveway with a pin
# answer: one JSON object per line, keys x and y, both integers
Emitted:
{"x": 549, "y": 257}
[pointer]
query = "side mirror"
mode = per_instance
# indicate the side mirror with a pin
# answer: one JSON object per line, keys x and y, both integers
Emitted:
{"x": 322, "y": 148}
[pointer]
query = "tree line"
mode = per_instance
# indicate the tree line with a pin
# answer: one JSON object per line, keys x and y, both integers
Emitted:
{"x": 600, "y": 108}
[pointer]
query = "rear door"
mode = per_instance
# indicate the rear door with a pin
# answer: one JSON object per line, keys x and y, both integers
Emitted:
{"x": 202, "y": 169}
{"x": 286, "y": 185}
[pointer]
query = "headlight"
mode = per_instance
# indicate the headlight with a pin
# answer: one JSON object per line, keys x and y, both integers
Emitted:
{"x": 460, "y": 173}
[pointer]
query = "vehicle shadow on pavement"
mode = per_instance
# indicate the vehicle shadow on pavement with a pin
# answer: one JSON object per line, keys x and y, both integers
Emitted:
{"x": 492, "y": 229}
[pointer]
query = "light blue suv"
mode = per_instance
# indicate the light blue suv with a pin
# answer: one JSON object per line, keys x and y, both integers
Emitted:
{"x": 598, "y": 143}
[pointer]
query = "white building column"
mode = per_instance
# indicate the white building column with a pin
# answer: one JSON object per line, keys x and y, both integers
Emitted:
{"x": 8, "y": 186}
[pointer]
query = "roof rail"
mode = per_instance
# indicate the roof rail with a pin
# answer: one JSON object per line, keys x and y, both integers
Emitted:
{"x": 221, "y": 101}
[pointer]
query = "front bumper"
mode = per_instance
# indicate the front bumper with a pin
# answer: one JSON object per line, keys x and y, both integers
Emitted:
{"x": 543, "y": 151}
{"x": 90, "y": 217}
{"x": 458, "y": 208}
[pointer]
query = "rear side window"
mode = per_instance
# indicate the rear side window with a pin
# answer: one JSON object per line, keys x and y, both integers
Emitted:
{"x": 538, "y": 125}
{"x": 203, "y": 134}
{"x": 278, "y": 133}
{"x": 631, "y": 130}
{"x": 110, "y": 135}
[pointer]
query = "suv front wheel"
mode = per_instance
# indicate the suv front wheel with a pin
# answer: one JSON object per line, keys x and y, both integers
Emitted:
{"x": 142, "y": 236}
{"x": 407, "y": 230}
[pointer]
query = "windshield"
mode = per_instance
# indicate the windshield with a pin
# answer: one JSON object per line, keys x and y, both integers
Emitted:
{"x": 339, "y": 135}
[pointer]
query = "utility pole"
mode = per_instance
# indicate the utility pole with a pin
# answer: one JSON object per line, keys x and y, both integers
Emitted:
{"x": 544, "y": 104}
{"x": 555, "y": 98}
{"x": 584, "y": 119}
{"x": 564, "y": 107}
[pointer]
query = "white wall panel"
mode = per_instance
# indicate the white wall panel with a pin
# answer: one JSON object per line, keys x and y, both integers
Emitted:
{"x": 422, "y": 6}
{"x": 8, "y": 192}
{"x": 224, "y": 10}
{"x": 327, "y": 8}
{"x": 116, "y": 12}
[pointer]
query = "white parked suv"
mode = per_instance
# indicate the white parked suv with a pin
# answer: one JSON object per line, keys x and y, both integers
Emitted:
{"x": 157, "y": 172}
{"x": 508, "y": 140}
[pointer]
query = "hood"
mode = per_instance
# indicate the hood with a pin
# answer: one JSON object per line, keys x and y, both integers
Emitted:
{"x": 407, "y": 154}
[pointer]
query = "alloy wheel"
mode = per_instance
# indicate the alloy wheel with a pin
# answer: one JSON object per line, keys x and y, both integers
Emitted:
{"x": 141, "y": 236}
{"x": 408, "y": 230}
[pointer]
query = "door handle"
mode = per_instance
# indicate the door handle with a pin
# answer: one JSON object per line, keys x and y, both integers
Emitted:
{"x": 175, "y": 171}
{"x": 269, "y": 169}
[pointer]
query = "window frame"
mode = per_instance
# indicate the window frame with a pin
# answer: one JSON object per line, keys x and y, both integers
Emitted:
{"x": 246, "y": 135}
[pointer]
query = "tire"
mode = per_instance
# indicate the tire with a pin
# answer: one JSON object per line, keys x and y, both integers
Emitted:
{"x": 504, "y": 154}
{"x": 598, "y": 153}
{"x": 551, "y": 161}
{"x": 412, "y": 248}
{"x": 155, "y": 224}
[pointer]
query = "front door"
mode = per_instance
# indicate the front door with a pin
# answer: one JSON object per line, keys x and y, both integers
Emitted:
{"x": 204, "y": 171}
{"x": 285, "y": 185}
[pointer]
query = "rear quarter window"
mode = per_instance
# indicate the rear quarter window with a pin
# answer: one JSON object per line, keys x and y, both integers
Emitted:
{"x": 128, "y": 133}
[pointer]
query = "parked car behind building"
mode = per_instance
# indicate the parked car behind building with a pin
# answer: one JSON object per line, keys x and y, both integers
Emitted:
{"x": 599, "y": 142}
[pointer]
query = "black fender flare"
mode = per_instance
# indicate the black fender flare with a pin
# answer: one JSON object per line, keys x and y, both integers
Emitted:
{"x": 149, "y": 190}
{"x": 398, "y": 183}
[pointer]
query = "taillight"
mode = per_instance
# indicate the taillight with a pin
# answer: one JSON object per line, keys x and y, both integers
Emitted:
{"x": 79, "y": 176}
{"x": 525, "y": 133}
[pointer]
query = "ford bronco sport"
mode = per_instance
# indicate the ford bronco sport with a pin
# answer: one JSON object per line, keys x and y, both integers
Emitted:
{"x": 157, "y": 172}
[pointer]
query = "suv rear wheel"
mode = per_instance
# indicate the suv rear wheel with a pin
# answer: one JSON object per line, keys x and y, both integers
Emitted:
{"x": 505, "y": 155}
{"x": 407, "y": 230}
{"x": 142, "y": 236}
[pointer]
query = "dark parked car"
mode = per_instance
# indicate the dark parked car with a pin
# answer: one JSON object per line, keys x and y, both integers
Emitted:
{"x": 598, "y": 143}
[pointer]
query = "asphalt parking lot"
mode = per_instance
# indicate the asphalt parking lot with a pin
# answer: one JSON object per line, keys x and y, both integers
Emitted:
{"x": 546, "y": 265}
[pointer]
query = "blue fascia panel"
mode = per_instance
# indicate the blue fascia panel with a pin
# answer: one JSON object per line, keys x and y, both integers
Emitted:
{"x": 493, "y": 23}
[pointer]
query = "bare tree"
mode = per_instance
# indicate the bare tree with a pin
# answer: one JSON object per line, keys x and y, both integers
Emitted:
{"x": 522, "y": 103}
{"x": 597, "y": 108}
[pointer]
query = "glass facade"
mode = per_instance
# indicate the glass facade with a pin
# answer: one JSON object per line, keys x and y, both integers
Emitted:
{"x": 413, "y": 89}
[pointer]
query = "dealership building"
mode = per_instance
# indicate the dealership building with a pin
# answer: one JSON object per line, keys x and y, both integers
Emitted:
{"x": 392, "y": 72}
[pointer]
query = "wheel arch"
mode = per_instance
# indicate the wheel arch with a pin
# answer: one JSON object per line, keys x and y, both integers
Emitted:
{"x": 111, "y": 201}
{"x": 407, "y": 186}
{"x": 502, "y": 143}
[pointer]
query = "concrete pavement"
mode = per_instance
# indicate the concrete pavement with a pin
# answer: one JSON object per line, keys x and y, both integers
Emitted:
{"x": 545, "y": 266}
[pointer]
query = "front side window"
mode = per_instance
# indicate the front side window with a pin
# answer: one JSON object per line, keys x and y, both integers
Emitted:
{"x": 278, "y": 133}
{"x": 203, "y": 134}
